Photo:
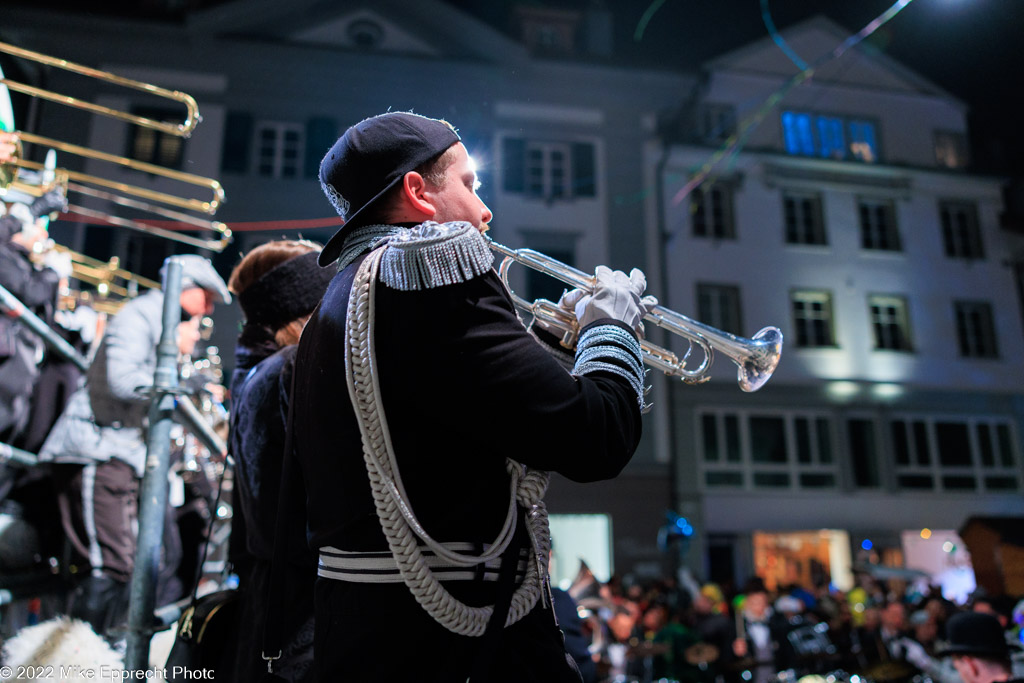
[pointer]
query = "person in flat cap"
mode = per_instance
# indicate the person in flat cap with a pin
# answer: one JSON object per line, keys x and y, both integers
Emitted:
{"x": 278, "y": 284}
{"x": 426, "y": 418}
{"x": 977, "y": 645}
{"x": 98, "y": 448}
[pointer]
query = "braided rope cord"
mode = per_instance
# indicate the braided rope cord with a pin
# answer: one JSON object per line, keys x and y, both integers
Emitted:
{"x": 398, "y": 522}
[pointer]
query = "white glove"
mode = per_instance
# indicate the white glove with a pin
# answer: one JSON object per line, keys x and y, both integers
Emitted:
{"x": 915, "y": 653}
{"x": 616, "y": 295}
{"x": 59, "y": 261}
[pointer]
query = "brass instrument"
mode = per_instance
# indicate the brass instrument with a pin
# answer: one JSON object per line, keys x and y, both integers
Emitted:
{"x": 113, "y": 284}
{"x": 756, "y": 357}
{"x": 159, "y": 203}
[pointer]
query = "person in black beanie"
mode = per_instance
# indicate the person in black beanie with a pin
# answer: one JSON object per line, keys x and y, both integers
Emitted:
{"x": 426, "y": 419}
{"x": 278, "y": 285}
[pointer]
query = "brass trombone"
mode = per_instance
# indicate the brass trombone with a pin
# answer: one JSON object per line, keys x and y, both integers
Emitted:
{"x": 756, "y": 358}
{"x": 123, "y": 194}
{"x": 114, "y": 285}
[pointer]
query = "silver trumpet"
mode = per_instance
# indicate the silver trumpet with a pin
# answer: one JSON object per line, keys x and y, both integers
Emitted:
{"x": 756, "y": 358}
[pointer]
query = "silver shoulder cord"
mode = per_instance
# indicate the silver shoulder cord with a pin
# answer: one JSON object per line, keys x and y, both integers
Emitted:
{"x": 401, "y": 528}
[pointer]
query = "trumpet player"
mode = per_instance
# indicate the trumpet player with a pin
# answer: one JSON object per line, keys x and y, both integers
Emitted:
{"x": 426, "y": 418}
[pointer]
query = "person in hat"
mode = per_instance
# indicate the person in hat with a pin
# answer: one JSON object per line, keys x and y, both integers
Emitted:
{"x": 278, "y": 284}
{"x": 427, "y": 417}
{"x": 977, "y": 645}
{"x": 98, "y": 447}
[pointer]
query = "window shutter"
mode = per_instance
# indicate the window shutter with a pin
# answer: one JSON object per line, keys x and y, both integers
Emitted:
{"x": 237, "y": 142}
{"x": 321, "y": 133}
{"x": 514, "y": 161}
{"x": 584, "y": 180}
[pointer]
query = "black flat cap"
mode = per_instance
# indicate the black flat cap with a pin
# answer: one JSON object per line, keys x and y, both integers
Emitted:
{"x": 372, "y": 157}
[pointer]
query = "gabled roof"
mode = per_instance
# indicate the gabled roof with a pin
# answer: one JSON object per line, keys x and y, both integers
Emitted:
{"x": 861, "y": 66}
{"x": 426, "y": 28}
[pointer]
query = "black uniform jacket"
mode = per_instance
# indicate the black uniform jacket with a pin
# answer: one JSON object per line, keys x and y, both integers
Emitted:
{"x": 464, "y": 386}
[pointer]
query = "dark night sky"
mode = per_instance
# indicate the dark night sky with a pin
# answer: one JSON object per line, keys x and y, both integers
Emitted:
{"x": 971, "y": 48}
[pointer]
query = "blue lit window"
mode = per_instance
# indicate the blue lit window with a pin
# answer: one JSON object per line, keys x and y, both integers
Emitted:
{"x": 830, "y": 135}
{"x": 863, "y": 145}
{"x": 798, "y": 134}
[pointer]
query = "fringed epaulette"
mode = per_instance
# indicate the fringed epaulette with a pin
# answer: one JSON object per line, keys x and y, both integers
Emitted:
{"x": 433, "y": 255}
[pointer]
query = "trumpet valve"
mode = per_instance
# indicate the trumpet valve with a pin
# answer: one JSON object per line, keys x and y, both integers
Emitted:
{"x": 569, "y": 339}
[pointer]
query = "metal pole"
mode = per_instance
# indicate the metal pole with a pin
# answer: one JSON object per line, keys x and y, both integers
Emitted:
{"x": 15, "y": 309}
{"x": 9, "y": 455}
{"x": 153, "y": 498}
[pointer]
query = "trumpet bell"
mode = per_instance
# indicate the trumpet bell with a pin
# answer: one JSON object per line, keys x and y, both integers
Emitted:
{"x": 757, "y": 367}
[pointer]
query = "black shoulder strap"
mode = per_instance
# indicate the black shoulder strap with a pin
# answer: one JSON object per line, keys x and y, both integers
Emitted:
{"x": 272, "y": 628}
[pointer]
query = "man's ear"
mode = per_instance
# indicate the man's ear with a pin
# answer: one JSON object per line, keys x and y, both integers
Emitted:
{"x": 414, "y": 195}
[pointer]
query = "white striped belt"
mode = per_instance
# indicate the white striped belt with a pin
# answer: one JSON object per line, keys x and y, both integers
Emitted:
{"x": 379, "y": 566}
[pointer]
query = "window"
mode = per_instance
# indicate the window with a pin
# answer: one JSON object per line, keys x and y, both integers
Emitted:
{"x": 553, "y": 171}
{"x": 951, "y": 149}
{"x": 864, "y": 453}
{"x": 768, "y": 451}
{"x": 832, "y": 144}
{"x": 975, "y": 329}
{"x": 153, "y": 146}
{"x": 711, "y": 211}
{"x": 547, "y": 170}
{"x": 803, "y": 218}
{"x": 829, "y": 137}
{"x": 719, "y": 306}
{"x": 798, "y": 133}
{"x": 863, "y": 146}
{"x": 949, "y": 454}
{"x": 279, "y": 148}
{"x": 890, "y": 322}
{"x": 878, "y": 228}
{"x": 812, "y": 318}
{"x": 278, "y": 151}
{"x": 960, "y": 233}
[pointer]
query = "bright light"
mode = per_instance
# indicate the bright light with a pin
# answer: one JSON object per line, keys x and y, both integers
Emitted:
{"x": 926, "y": 533}
{"x": 866, "y": 544}
{"x": 475, "y": 168}
{"x": 948, "y": 546}
{"x": 842, "y": 389}
{"x": 887, "y": 390}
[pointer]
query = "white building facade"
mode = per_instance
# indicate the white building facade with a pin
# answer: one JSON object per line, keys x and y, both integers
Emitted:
{"x": 848, "y": 221}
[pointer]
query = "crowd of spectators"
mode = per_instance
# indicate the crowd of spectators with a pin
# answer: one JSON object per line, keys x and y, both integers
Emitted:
{"x": 882, "y": 632}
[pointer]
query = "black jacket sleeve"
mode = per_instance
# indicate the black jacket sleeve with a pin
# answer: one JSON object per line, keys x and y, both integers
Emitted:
{"x": 480, "y": 355}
